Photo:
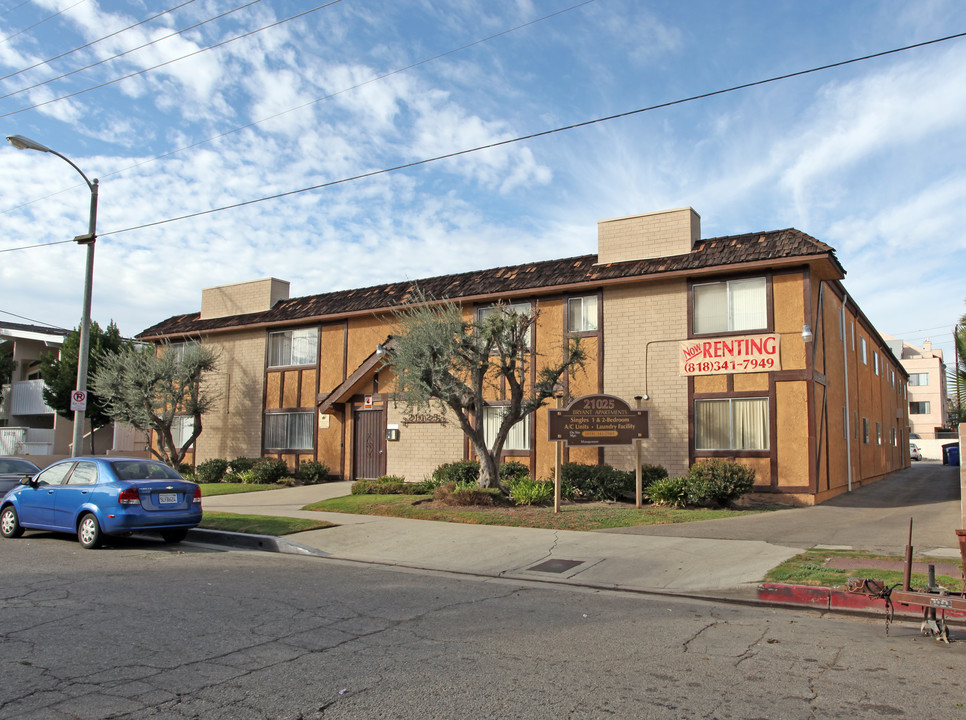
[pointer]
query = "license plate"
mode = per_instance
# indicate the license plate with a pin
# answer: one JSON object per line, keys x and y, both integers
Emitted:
{"x": 167, "y": 498}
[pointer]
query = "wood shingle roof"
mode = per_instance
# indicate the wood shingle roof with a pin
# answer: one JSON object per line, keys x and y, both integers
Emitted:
{"x": 502, "y": 281}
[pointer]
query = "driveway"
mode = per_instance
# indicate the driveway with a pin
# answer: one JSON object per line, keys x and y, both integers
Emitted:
{"x": 873, "y": 517}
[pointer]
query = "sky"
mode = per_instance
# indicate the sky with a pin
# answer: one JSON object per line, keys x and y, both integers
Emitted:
{"x": 183, "y": 109}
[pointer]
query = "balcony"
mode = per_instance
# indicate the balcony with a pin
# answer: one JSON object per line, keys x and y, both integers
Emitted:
{"x": 26, "y": 441}
{"x": 27, "y": 398}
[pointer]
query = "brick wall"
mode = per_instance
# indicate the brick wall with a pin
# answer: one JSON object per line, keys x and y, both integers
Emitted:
{"x": 240, "y": 298}
{"x": 643, "y": 325}
{"x": 652, "y": 235}
{"x": 421, "y": 447}
{"x": 233, "y": 427}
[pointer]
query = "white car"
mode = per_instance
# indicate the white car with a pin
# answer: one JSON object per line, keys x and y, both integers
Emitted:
{"x": 914, "y": 451}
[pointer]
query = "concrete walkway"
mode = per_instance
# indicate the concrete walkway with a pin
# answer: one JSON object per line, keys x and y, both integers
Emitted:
{"x": 721, "y": 558}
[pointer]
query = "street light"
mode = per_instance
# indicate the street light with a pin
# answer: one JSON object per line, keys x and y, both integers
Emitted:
{"x": 22, "y": 143}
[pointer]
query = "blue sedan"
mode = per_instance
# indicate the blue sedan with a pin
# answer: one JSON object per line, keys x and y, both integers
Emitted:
{"x": 99, "y": 496}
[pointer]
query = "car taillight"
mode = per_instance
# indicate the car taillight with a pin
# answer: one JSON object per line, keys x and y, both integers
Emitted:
{"x": 197, "y": 497}
{"x": 129, "y": 496}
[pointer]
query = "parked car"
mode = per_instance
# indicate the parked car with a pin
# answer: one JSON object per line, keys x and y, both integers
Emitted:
{"x": 96, "y": 497}
{"x": 914, "y": 451}
{"x": 12, "y": 471}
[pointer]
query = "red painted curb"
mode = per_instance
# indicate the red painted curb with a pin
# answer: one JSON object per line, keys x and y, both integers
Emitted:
{"x": 794, "y": 595}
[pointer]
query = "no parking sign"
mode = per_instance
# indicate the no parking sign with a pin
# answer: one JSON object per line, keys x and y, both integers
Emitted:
{"x": 78, "y": 401}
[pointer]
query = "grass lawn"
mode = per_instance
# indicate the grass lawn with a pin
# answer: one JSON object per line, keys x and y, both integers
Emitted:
{"x": 576, "y": 516}
{"x": 212, "y": 489}
{"x": 259, "y": 524}
{"x": 812, "y": 568}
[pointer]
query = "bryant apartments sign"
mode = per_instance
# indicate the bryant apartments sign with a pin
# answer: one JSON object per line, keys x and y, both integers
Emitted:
{"x": 734, "y": 354}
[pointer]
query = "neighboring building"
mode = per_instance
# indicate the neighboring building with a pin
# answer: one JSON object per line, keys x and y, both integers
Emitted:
{"x": 27, "y": 425}
{"x": 743, "y": 347}
{"x": 928, "y": 404}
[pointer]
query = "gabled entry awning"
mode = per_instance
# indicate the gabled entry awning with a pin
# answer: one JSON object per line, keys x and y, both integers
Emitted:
{"x": 359, "y": 377}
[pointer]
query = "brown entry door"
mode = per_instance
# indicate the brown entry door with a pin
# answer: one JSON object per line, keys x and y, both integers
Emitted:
{"x": 368, "y": 447}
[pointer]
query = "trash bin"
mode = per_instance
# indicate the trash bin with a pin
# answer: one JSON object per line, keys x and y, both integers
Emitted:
{"x": 946, "y": 448}
{"x": 953, "y": 455}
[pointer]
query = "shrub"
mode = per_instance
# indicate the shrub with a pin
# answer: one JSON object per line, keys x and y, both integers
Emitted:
{"x": 311, "y": 472}
{"x": 718, "y": 483}
{"x": 185, "y": 469}
{"x": 596, "y": 482}
{"x": 365, "y": 487}
{"x": 651, "y": 474}
{"x": 388, "y": 485}
{"x": 212, "y": 471}
{"x": 267, "y": 471}
{"x": 513, "y": 470}
{"x": 452, "y": 493}
{"x": 524, "y": 491}
{"x": 672, "y": 492}
{"x": 241, "y": 464}
{"x": 462, "y": 471}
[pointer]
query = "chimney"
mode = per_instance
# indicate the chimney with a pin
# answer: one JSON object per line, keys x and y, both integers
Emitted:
{"x": 242, "y": 298}
{"x": 652, "y": 235}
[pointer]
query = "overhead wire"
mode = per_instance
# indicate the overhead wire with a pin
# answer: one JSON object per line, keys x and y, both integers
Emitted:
{"x": 94, "y": 42}
{"x": 174, "y": 60}
{"x": 128, "y": 52}
{"x": 543, "y": 133}
{"x": 40, "y": 22}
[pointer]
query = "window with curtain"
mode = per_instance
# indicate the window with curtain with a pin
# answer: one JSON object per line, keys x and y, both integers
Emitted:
{"x": 919, "y": 408}
{"x": 518, "y": 308}
{"x": 519, "y": 437}
{"x": 731, "y": 424}
{"x": 918, "y": 379}
{"x": 730, "y": 306}
{"x": 289, "y": 431}
{"x": 181, "y": 428}
{"x": 582, "y": 314}
{"x": 293, "y": 347}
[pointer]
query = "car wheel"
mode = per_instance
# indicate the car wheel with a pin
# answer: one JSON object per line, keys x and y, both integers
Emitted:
{"x": 89, "y": 532}
{"x": 10, "y": 526}
{"x": 174, "y": 536}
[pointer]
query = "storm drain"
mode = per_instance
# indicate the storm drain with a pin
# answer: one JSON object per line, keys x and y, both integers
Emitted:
{"x": 556, "y": 566}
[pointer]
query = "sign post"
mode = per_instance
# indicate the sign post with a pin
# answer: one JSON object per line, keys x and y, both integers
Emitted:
{"x": 638, "y": 480}
{"x": 594, "y": 421}
{"x": 78, "y": 401}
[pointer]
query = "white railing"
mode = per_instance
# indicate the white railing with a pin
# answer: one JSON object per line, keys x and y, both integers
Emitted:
{"x": 26, "y": 441}
{"x": 27, "y": 398}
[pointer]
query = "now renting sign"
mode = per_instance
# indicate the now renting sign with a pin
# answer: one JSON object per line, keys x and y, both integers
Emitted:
{"x": 733, "y": 354}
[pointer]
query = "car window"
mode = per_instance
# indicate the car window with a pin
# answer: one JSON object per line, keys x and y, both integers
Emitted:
{"x": 85, "y": 473}
{"x": 146, "y": 470}
{"x": 10, "y": 465}
{"x": 55, "y": 474}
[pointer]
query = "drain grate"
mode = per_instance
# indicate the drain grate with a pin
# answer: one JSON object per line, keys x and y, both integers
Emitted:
{"x": 556, "y": 566}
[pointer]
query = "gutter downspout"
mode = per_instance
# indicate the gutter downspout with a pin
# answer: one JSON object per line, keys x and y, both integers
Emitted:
{"x": 848, "y": 410}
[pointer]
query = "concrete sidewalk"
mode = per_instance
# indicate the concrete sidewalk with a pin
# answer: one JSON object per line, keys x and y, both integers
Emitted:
{"x": 725, "y": 559}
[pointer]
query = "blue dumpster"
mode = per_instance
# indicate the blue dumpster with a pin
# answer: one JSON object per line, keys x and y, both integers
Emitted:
{"x": 953, "y": 455}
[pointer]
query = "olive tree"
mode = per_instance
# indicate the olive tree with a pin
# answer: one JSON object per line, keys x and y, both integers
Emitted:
{"x": 148, "y": 390}
{"x": 442, "y": 360}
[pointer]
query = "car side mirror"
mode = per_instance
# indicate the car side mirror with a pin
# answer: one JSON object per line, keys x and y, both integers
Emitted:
{"x": 27, "y": 480}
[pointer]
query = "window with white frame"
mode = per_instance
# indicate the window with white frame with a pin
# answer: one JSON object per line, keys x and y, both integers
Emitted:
{"x": 865, "y": 351}
{"x": 523, "y": 308}
{"x": 289, "y": 430}
{"x": 181, "y": 428}
{"x": 582, "y": 314}
{"x": 919, "y": 408}
{"x": 519, "y": 436}
{"x": 731, "y": 424}
{"x": 918, "y": 379}
{"x": 730, "y": 306}
{"x": 293, "y": 347}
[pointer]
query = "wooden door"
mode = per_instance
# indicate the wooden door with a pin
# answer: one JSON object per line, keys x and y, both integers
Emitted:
{"x": 368, "y": 448}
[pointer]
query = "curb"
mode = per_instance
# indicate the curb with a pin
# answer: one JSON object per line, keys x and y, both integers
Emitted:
{"x": 266, "y": 543}
{"x": 830, "y": 599}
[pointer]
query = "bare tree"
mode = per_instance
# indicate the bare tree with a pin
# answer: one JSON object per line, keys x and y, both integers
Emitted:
{"x": 440, "y": 358}
{"x": 149, "y": 390}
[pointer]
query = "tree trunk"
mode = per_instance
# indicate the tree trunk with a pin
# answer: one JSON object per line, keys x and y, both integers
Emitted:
{"x": 489, "y": 469}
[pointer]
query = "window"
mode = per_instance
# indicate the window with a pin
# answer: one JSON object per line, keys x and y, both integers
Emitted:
{"x": 845, "y": 423}
{"x": 293, "y": 347}
{"x": 878, "y": 433}
{"x": 865, "y": 430}
{"x": 515, "y": 308}
{"x": 865, "y": 352}
{"x": 519, "y": 436}
{"x": 85, "y": 473}
{"x": 54, "y": 475}
{"x": 852, "y": 331}
{"x": 919, "y": 408}
{"x": 289, "y": 431}
{"x": 875, "y": 361}
{"x": 582, "y": 314}
{"x": 738, "y": 424}
{"x": 730, "y": 306}
{"x": 181, "y": 428}
{"x": 178, "y": 348}
{"x": 919, "y": 379}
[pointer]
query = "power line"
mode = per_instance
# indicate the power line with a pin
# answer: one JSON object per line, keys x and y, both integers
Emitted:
{"x": 40, "y": 22}
{"x": 39, "y": 322}
{"x": 373, "y": 79}
{"x": 543, "y": 133}
{"x": 94, "y": 42}
{"x": 174, "y": 60}
{"x": 31, "y": 247}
